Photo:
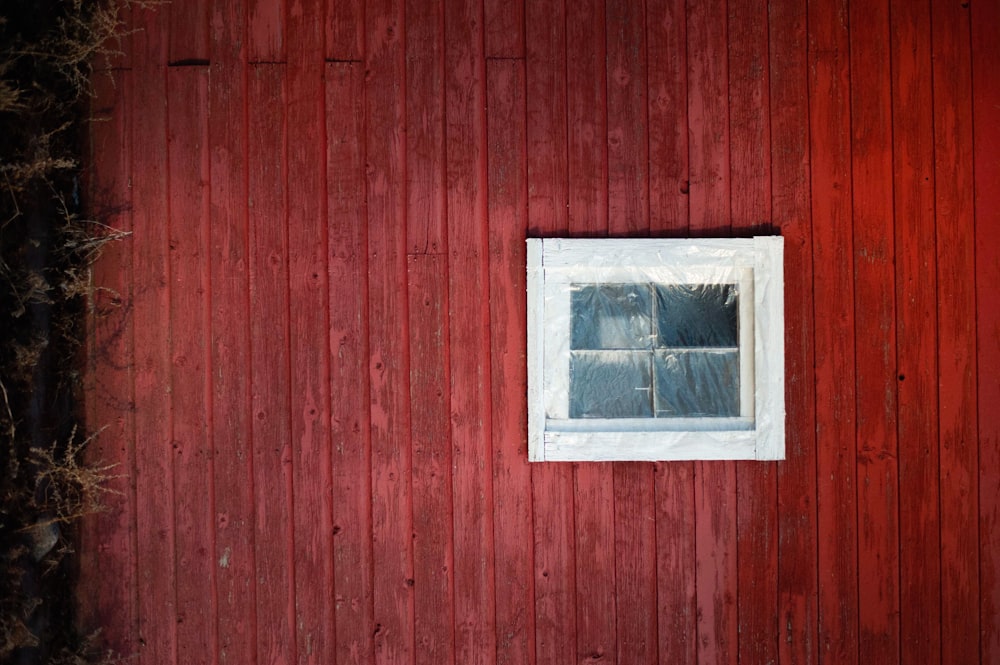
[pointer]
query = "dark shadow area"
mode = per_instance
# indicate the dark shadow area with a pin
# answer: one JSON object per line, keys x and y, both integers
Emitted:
{"x": 46, "y": 248}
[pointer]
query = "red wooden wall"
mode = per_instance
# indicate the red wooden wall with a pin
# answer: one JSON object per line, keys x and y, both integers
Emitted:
{"x": 311, "y": 352}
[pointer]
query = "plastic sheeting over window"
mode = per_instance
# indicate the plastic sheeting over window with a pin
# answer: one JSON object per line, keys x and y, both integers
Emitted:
{"x": 655, "y": 349}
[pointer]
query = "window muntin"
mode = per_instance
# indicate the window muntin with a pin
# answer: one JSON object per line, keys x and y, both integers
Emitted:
{"x": 648, "y": 349}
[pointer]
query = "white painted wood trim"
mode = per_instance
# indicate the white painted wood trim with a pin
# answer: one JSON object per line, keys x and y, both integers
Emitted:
{"x": 535, "y": 359}
{"x": 756, "y": 264}
{"x": 770, "y": 325}
{"x": 648, "y": 446}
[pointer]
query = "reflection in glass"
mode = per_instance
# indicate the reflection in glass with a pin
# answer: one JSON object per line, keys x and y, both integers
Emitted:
{"x": 610, "y": 384}
{"x": 611, "y": 316}
{"x": 696, "y": 315}
{"x": 697, "y": 384}
{"x": 654, "y": 351}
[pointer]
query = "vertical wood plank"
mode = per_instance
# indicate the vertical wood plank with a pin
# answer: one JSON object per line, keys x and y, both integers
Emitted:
{"x": 916, "y": 333}
{"x": 230, "y": 350}
{"x": 749, "y": 120}
{"x": 108, "y": 547}
{"x": 352, "y": 489}
{"x": 790, "y": 205}
{"x": 308, "y": 241}
{"x": 587, "y": 163}
{"x": 956, "y": 314}
{"x": 504, "y": 28}
{"x": 709, "y": 214}
{"x": 546, "y": 108}
{"x": 715, "y": 556}
{"x": 345, "y": 30}
{"x": 667, "y": 98}
{"x": 552, "y": 484}
{"x": 985, "y": 22}
{"x": 266, "y": 30}
{"x": 875, "y": 340}
{"x": 708, "y": 117}
{"x": 392, "y": 517}
{"x": 833, "y": 291}
{"x": 190, "y": 379}
{"x": 627, "y": 120}
{"x": 426, "y": 192}
{"x": 426, "y": 239}
{"x": 635, "y": 563}
{"x": 469, "y": 335}
{"x": 269, "y": 345}
{"x": 750, "y": 171}
{"x": 587, "y": 127}
{"x": 507, "y": 213}
{"x": 190, "y": 35}
{"x": 433, "y": 538}
{"x": 675, "y": 556}
{"x": 154, "y": 465}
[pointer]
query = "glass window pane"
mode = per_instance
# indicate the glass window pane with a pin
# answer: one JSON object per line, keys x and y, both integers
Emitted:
{"x": 697, "y": 383}
{"x": 610, "y": 384}
{"x": 611, "y": 316}
{"x": 696, "y": 314}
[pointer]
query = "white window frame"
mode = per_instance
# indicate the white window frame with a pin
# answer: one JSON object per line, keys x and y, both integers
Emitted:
{"x": 755, "y": 264}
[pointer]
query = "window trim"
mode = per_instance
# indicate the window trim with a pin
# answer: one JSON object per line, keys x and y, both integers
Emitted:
{"x": 554, "y": 263}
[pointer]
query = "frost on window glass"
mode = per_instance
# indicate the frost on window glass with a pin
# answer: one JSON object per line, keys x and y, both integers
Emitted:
{"x": 654, "y": 351}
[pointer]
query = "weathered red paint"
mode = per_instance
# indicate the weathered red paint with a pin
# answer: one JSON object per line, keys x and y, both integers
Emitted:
{"x": 316, "y": 379}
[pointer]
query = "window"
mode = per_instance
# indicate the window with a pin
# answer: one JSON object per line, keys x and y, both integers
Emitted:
{"x": 655, "y": 349}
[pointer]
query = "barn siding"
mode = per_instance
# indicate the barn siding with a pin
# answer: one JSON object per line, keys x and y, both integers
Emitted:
{"x": 310, "y": 351}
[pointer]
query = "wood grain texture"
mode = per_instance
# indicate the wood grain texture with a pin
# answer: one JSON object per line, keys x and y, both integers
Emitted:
{"x": 468, "y": 332}
{"x": 308, "y": 276}
{"x": 155, "y": 562}
{"x": 345, "y": 30}
{"x": 667, "y": 98}
{"x": 266, "y": 25}
{"x": 507, "y": 219}
{"x": 504, "y": 29}
{"x": 798, "y": 612}
{"x": 957, "y": 343}
{"x": 874, "y": 306}
{"x": 231, "y": 427}
{"x": 676, "y": 571}
{"x": 833, "y": 293}
{"x": 313, "y": 357}
{"x": 708, "y": 118}
{"x": 270, "y": 379}
{"x": 916, "y": 333}
{"x": 190, "y": 378}
{"x": 434, "y": 560}
{"x": 348, "y": 283}
{"x": 587, "y": 121}
{"x": 389, "y": 358}
{"x": 426, "y": 191}
{"x": 627, "y": 121}
{"x": 189, "y": 32}
{"x": 433, "y": 555}
{"x": 985, "y": 19}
